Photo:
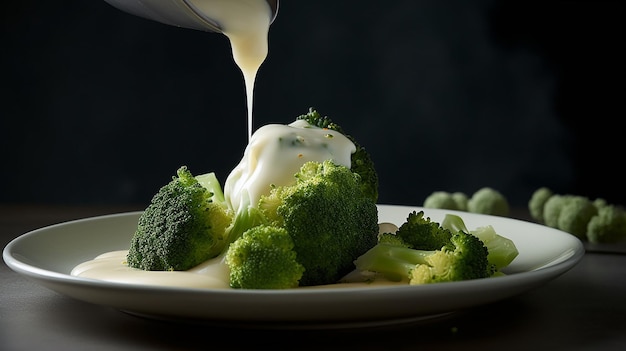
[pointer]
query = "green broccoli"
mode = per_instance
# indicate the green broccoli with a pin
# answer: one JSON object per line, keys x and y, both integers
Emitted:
{"x": 328, "y": 216}
{"x": 263, "y": 258}
{"x": 552, "y": 209}
{"x": 596, "y": 221}
{"x": 361, "y": 161}
{"x": 463, "y": 258}
{"x": 575, "y": 213}
{"x": 502, "y": 250}
{"x": 181, "y": 227}
{"x": 441, "y": 200}
{"x": 488, "y": 201}
{"x": 419, "y": 232}
{"x": 569, "y": 213}
{"x": 608, "y": 226}
{"x": 537, "y": 202}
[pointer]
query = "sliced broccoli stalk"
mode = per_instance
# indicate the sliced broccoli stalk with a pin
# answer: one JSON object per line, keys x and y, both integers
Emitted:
{"x": 212, "y": 184}
{"x": 180, "y": 228}
{"x": 464, "y": 258}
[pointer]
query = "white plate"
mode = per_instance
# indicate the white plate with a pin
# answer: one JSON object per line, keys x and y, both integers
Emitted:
{"x": 47, "y": 255}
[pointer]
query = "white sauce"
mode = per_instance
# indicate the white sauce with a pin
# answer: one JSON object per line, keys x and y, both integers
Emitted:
{"x": 246, "y": 23}
{"x": 276, "y": 152}
{"x": 111, "y": 267}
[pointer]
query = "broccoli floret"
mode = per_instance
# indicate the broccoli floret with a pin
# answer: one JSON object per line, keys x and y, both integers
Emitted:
{"x": 264, "y": 258}
{"x": 552, "y": 209}
{"x": 488, "y": 201}
{"x": 421, "y": 232}
{"x": 463, "y": 258}
{"x": 575, "y": 213}
{"x": 440, "y": 200}
{"x": 537, "y": 202}
{"x": 446, "y": 200}
{"x": 608, "y": 226}
{"x": 502, "y": 250}
{"x": 181, "y": 227}
{"x": 361, "y": 161}
{"x": 329, "y": 218}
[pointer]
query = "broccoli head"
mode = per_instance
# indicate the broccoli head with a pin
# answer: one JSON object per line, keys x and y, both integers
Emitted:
{"x": 552, "y": 209}
{"x": 328, "y": 216}
{"x": 420, "y": 232}
{"x": 361, "y": 161}
{"x": 608, "y": 226}
{"x": 575, "y": 213}
{"x": 181, "y": 227}
{"x": 264, "y": 258}
{"x": 488, "y": 201}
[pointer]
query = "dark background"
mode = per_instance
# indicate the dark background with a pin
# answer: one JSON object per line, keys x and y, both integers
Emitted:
{"x": 101, "y": 107}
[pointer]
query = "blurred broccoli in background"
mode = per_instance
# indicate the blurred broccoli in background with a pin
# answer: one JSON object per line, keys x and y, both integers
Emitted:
{"x": 552, "y": 209}
{"x": 576, "y": 212}
{"x": 595, "y": 220}
{"x": 485, "y": 200}
{"x": 608, "y": 226}
{"x": 440, "y": 199}
{"x": 445, "y": 200}
{"x": 488, "y": 201}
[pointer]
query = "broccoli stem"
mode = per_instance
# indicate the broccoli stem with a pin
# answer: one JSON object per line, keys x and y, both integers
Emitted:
{"x": 246, "y": 217}
{"x": 394, "y": 262}
{"x": 454, "y": 223}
